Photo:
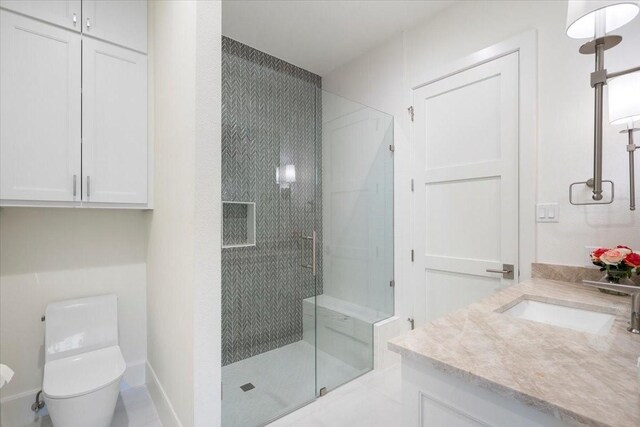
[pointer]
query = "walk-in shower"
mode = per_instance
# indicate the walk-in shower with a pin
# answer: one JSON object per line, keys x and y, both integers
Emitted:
{"x": 307, "y": 256}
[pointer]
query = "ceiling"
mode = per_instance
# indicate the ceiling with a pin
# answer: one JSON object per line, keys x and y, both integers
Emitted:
{"x": 321, "y": 35}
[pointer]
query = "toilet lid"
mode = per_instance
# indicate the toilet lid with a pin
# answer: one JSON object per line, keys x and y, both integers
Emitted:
{"x": 82, "y": 373}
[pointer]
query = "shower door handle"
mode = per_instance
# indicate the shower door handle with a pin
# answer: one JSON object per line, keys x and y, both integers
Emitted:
{"x": 311, "y": 238}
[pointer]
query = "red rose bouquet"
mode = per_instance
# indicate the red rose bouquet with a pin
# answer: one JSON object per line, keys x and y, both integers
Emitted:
{"x": 619, "y": 262}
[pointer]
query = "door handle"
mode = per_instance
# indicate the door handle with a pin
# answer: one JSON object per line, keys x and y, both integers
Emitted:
{"x": 313, "y": 239}
{"x": 75, "y": 19}
{"x": 75, "y": 179}
{"x": 88, "y": 186}
{"x": 507, "y": 271}
{"x": 88, "y": 23}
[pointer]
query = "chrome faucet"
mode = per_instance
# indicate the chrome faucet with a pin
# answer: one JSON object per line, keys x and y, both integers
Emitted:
{"x": 633, "y": 291}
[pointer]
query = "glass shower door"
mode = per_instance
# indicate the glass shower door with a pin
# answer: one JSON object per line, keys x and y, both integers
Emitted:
{"x": 357, "y": 224}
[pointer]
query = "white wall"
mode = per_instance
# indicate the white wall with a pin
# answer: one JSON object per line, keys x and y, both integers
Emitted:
{"x": 184, "y": 232}
{"x": 56, "y": 254}
{"x": 383, "y": 77}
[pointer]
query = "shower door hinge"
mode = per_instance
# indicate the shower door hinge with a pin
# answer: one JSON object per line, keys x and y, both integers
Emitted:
{"x": 413, "y": 322}
{"x": 392, "y": 283}
{"x": 412, "y": 255}
{"x": 410, "y": 109}
{"x": 392, "y": 148}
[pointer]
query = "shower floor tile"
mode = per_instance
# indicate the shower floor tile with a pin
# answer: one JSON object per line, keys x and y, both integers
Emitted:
{"x": 283, "y": 380}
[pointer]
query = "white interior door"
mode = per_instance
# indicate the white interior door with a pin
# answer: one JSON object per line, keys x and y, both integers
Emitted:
{"x": 39, "y": 111}
{"x": 114, "y": 124}
{"x": 465, "y": 139}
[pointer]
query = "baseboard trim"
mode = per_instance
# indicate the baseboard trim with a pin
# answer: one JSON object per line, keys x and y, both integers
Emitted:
{"x": 163, "y": 405}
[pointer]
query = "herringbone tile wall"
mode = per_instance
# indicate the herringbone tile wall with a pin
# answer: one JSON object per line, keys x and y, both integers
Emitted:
{"x": 271, "y": 116}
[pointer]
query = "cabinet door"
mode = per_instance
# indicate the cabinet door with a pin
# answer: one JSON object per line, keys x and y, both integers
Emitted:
{"x": 121, "y": 22}
{"x": 65, "y": 13}
{"x": 39, "y": 110}
{"x": 114, "y": 124}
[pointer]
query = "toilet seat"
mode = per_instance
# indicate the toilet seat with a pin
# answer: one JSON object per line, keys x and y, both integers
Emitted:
{"x": 82, "y": 373}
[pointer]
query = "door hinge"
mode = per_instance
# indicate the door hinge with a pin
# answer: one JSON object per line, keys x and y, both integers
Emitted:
{"x": 412, "y": 255}
{"x": 392, "y": 148}
{"x": 410, "y": 109}
{"x": 412, "y": 185}
{"x": 392, "y": 283}
{"x": 413, "y": 322}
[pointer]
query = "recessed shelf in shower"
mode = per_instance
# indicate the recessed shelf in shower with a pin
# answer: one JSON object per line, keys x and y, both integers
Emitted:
{"x": 238, "y": 224}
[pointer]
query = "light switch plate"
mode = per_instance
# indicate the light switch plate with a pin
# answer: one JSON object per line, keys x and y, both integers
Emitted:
{"x": 547, "y": 212}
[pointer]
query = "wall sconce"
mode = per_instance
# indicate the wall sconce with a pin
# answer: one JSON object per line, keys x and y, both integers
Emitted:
{"x": 287, "y": 178}
{"x": 594, "y": 19}
{"x": 624, "y": 108}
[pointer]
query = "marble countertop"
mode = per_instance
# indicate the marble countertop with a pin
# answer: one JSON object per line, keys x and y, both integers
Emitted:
{"x": 581, "y": 378}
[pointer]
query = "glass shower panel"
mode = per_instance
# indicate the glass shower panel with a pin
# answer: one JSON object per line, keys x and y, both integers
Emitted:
{"x": 357, "y": 246}
{"x": 271, "y": 211}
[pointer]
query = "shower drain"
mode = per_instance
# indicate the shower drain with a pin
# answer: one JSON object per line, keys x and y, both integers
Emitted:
{"x": 247, "y": 387}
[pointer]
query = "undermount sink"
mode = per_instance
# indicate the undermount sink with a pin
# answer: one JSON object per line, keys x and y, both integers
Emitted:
{"x": 577, "y": 319}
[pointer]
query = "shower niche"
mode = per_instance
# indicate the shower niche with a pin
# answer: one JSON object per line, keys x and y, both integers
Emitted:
{"x": 238, "y": 224}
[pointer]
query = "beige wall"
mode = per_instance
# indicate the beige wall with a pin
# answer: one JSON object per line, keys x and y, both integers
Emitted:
{"x": 184, "y": 233}
{"x": 55, "y": 254}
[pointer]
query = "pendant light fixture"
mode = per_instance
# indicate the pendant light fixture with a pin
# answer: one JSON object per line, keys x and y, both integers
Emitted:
{"x": 594, "y": 19}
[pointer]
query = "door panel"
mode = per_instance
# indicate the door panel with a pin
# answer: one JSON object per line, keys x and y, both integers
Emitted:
{"x": 114, "y": 117}
{"x": 466, "y": 197}
{"x": 123, "y": 22}
{"x": 65, "y": 13}
{"x": 39, "y": 135}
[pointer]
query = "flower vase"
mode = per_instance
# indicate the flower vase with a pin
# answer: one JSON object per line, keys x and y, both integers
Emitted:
{"x": 612, "y": 278}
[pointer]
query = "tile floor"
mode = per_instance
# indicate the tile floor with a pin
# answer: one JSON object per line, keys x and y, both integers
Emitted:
{"x": 372, "y": 400}
{"x": 283, "y": 378}
{"x": 133, "y": 409}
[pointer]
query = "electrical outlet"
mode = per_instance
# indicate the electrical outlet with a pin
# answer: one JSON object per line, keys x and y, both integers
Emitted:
{"x": 587, "y": 259}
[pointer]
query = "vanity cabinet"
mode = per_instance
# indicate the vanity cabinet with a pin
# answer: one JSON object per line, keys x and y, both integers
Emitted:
{"x": 432, "y": 396}
{"x": 73, "y": 117}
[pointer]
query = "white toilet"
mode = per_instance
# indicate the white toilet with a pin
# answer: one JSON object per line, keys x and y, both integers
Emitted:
{"x": 83, "y": 363}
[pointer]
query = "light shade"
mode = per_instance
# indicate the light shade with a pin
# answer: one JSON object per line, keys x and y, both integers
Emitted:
{"x": 290, "y": 173}
{"x": 624, "y": 99}
{"x": 595, "y": 18}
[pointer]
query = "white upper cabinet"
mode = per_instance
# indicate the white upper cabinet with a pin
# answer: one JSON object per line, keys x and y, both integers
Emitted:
{"x": 66, "y": 13}
{"x": 114, "y": 124}
{"x": 39, "y": 110}
{"x": 123, "y": 22}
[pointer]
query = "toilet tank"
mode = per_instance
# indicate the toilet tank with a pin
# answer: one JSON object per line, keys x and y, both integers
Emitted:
{"x": 80, "y": 325}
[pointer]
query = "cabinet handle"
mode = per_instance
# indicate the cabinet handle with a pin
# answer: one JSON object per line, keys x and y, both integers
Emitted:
{"x": 88, "y": 23}
{"x": 88, "y": 186}
{"x": 75, "y": 179}
{"x": 75, "y": 19}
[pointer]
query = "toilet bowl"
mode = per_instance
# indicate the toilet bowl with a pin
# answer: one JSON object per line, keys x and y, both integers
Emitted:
{"x": 83, "y": 362}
